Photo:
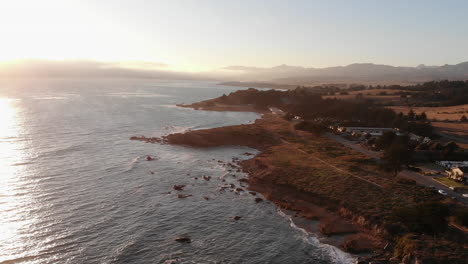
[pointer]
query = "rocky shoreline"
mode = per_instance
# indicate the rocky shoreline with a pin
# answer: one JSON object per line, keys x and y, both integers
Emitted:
{"x": 318, "y": 179}
{"x": 352, "y": 237}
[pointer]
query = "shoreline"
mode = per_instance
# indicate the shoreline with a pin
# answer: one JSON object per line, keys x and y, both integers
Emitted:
{"x": 330, "y": 228}
{"x": 318, "y": 178}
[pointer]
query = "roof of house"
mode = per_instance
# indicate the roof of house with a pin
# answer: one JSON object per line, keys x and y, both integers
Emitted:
{"x": 370, "y": 128}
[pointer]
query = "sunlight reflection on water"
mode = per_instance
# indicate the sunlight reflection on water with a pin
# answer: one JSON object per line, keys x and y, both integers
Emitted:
{"x": 12, "y": 197}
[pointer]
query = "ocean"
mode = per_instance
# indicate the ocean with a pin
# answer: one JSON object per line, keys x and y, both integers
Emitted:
{"x": 75, "y": 189}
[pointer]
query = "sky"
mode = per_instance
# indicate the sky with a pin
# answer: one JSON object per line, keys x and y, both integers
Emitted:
{"x": 204, "y": 35}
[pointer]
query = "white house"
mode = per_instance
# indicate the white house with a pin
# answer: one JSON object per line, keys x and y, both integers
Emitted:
{"x": 457, "y": 174}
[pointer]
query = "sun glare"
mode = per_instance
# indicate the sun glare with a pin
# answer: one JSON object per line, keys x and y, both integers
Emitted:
{"x": 11, "y": 197}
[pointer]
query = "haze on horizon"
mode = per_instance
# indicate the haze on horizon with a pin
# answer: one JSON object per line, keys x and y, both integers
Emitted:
{"x": 200, "y": 36}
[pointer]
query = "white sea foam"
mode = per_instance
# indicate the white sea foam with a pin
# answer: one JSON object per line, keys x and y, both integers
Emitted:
{"x": 338, "y": 256}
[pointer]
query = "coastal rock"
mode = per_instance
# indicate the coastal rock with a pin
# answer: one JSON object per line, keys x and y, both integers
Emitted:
{"x": 237, "y": 217}
{"x": 183, "y": 239}
{"x": 362, "y": 243}
{"x": 206, "y": 178}
{"x": 244, "y": 180}
{"x": 178, "y": 187}
{"x": 257, "y": 200}
{"x": 206, "y": 198}
{"x": 253, "y": 193}
{"x": 239, "y": 189}
{"x": 149, "y": 158}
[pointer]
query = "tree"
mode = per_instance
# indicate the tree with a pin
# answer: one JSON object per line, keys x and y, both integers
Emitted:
{"x": 288, "y": 116}
{"x": 385, "y": 140}
{"x": 397, "y": 154}
{"x": 463, "y": 118}
{"x": 422, "y": 116}
{"x": 449, "y": 148}
{"x": 429, "y": 218}
{"x": 411, "y": 115}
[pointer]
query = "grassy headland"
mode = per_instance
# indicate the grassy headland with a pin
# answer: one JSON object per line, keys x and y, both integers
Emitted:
{"x": 319, "y": 178}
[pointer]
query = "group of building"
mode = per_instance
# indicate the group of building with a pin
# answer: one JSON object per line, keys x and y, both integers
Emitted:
{"x": 366, "y": 132}
{"x": 455, "y": 170}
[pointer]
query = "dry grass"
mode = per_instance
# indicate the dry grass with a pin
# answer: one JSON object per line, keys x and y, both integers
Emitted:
{"x": 459, "y": 129}
{"x": 452, "y": 113}
{"x": 449, "y": 182}
{"x": 450, "y": 131}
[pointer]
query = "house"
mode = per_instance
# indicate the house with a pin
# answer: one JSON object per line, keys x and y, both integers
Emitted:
{"x": 426, "y": 140}
{"x": 448, "y": 164}
{"x": 418, "y": 138}
{"x": 297, "y": 119}
{"x": 457, "y": 174}
{"x": 373, "y": 131}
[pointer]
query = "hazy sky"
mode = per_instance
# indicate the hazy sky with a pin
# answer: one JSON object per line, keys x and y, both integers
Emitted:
{"x": 207, "y": 34}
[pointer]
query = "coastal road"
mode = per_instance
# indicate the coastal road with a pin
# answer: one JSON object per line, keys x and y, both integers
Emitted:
{"x": 427, "y": 181}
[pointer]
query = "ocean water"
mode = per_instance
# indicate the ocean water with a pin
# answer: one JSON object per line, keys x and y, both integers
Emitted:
{"x": 75, "y": 189}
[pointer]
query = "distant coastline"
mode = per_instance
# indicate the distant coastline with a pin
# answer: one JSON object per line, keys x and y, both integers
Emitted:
{"x": 259, "y": 85}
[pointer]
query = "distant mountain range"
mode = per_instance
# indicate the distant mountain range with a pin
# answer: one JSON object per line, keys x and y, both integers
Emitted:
{"x": 359, "y": 73}
{"x": 353, "y": 73}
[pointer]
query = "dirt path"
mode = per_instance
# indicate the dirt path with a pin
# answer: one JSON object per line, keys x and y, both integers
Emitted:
{"x": 334, "y": 167}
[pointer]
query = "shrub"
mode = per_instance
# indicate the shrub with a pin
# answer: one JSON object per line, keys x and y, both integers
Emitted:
{"x": 429, "y": 218}
{"x": 461, "y": 216}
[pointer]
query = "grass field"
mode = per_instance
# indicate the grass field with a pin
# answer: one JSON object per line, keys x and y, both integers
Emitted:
{"x": 452, "y": 113}
{"x": 449, "y": 182}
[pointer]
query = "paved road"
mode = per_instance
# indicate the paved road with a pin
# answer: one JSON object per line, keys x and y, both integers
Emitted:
{"x": 427, "y": 181}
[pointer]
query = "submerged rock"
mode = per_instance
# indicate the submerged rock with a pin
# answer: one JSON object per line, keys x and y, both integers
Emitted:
{"x": 183, "y": 195}
{"x": 237, "y": 217}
